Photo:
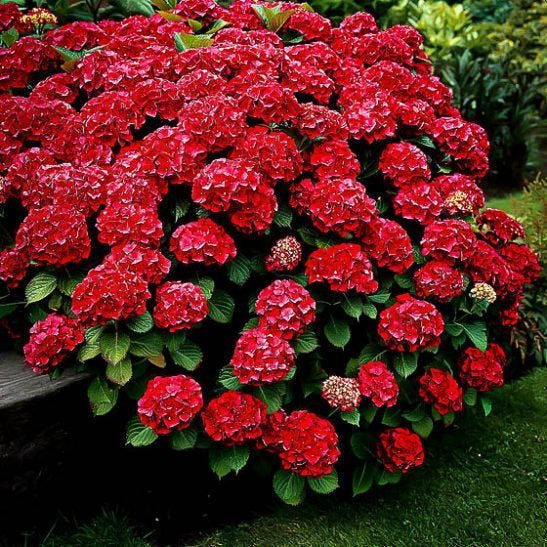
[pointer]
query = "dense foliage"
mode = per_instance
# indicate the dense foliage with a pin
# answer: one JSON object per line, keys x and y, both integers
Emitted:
{"x": 266, "y": 231}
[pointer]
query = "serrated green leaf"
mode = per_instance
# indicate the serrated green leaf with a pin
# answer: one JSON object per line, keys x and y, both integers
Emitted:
{"x": 221, "y": 307}
{"x": 403, "y": 281}
{"x": 337, "y": 332}
{"x": 405, "y": 364}
{"x": 371, "y": 352}
{"x": 88, "y": 351}
{"x": 283, "y": 216}
{"x": 486, "y": 404}
{"x": 40, "y": 286}
{"x": 134, "y": 7}
{"x": 67, "y": 284}
{"x": 362, "y": 479}
{"x": 352, "y": 417}
{"x": 181, "y": 209}
{"x": 114, "y": 346}
{"x": 139, "y": 434}
{"x": 188, "y": 355}
{"x": 391, "y": 417}
{"x": 370, "y": 310}
{"x": 102, "y": 396}
{"x": 477, "y": 333}
{"x": 423, "y": 427}
{"x": 381, "y": 297}
{"x": 272, "y": 395}
{"x": 414, "y": 415}
{"x": 306, "y": 342}
{"x": 239, "y": 270}
{"x": 289, "y": 487}
{"x": 185, "y": 41}
{"x": 207, "y": 285}
{"x": 227, "y": 379}
{"x": 92, "y": 334}
{"x": 141, "y": 324}
{"x": 228, "y": 458}
{"x": 453, "y": 330}
{"x": 120, "y": 373}
{"x": 219, "y": 24}
{"x": 325, "y": 484}
{"x": 386, "y": 477}
{"x": 352, "y": 305}
{"x": 183, "y": 440}
{"x": 146, "y": 345}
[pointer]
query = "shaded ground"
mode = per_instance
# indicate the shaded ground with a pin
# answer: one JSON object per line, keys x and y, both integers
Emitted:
{"x": 483, "y": 484}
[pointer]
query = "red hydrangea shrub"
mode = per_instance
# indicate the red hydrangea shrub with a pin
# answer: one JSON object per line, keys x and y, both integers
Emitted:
{"x": 287, "y": 211}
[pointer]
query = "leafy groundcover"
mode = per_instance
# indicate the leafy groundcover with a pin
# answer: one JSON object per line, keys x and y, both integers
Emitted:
{"x": 265, "y": 231}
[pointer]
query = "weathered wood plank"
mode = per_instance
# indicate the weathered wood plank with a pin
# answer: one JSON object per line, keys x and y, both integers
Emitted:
{"x": 19, "y": 384}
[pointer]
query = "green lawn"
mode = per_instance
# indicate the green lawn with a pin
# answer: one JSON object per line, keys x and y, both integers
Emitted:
{"x": 483, "y": 484}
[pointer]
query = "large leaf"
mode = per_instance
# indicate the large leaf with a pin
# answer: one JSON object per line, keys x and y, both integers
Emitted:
{"x": 40, "y": 286}
{"x": 119, "y": 373}
{"x": 114, "y": 346}
{"x": 306, "y": 342}
{"x": 371, "y": 352}
{"x": 272, "y": 395}
{"x": 228, "y": 458}
{"x": 227, "y": 379}
{"x": 326, "y": 484}
{"x": 141, "y": 324}
{"x": 337, "y": 331}
{"x": 185, "y": 41}
{"x": 290, "y": 487}
{"x": 362, "y": 478}
{"x": 477, "y": 333}
{"x": 134, "y": 7}
{"x": 239, "y": 270}
{"x": 146, "y": 345}
{"x": 102, "y": 396}
{"x": 183, "y": 440}
{"x": 424, "y": 427}
{"x": 221, "y": 307}
{"x": 188, "y": 355}
{"x": 405, "y": 364}
{"x": 139, "y": 434}
{"x": 353, "y": 306}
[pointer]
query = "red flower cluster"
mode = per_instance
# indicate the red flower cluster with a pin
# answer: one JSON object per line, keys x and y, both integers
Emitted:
{"x": 404, "y": 165}
{"x": 203, "y": 241}
{"x": 482, "y": 371}
{"x": 179, "y": 306}
{"x": 51, "y": 341}
{"x": 170, "y": 403}
{"x": 305, "y": 443}
{"x": 438, "y": 280}
{"x": 261, "y": 357}
{"x": 438, "y": 388}
{"x": 449, "y": 239}
{"x": 410, "y": 325}
{"x": 285, "y": 308}
{"x": 378, "y": 383}
{"x": 498, "y": 227}
{"x": 344, "y": 267}
{"x": 234, "y": 418}
{"x": 400, "y": 449}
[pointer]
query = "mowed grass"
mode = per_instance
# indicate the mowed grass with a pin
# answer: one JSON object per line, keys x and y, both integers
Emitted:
{"x": 483, "y": 484}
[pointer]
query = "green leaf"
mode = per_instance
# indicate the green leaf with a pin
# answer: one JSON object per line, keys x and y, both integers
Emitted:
{"x": 164, "y": 4}
{"x": 114, "y": 346}
{"x": 381, "y": 297}
{"x": 337, "y": 331}
{"x": 283, "y": 217}
{"x": 362, "y": 479}
{"x": 370, "y": 352}
{"x": 228, "y": 458}
{"x": 415, "y": 415}
{"x": 185, "y": 41}
{"x": 92, "y": 334}
{"x": 146, "y": 345}
{"x": 6, "y": 309}
{"x": 181, "y": 209}
{"x": 289, "y": 487}
{"x": 219, "y": 24}
{"x": 424, "y": 427}
{"x": 351, "y": 417}
{"x": 272, "y": 395}
{"x": 306, "y": 342}
{"x": 10, "y": 36}
{"x": 391, "y": 417}
{"x": 102, "y": 396}
{"x": 134, "y": 7}
{"x": 325, "y": 484}
{"x": 183, "y": 440}
{"x": 88, "y": 351}
{"x": 486, "y": 404}
{"x": 360, "y": 443}
{"x": 239, "y": 270}
{"x": 227, "y": 379}
{"x": 477, "y": 333}
{"x": 139, "y": 434}
{"x": 68, "y": 284}
{"x": 39, "y": 287}
{"x": 278, "y": 20}
{"x": 405, "y": 364}
{"x": 252, "y": 323}
{"x": 386, "y": 477}
{"x": 369, "y": 413}
{"x": 453, "y": 330}
{"x": 207, "y": 286}
{"x": 188, "y": 355}
{"x": 470, "y": 397}
{"x": 403, "y": 281}
{"x": 120, "y": 373}
{"x": 352, "y": 305}
{"x": 221, "y": 306}
{"x": 370, "y": 310}
{"x": 141, "y": 324}
{"x": 418, "y": 257}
